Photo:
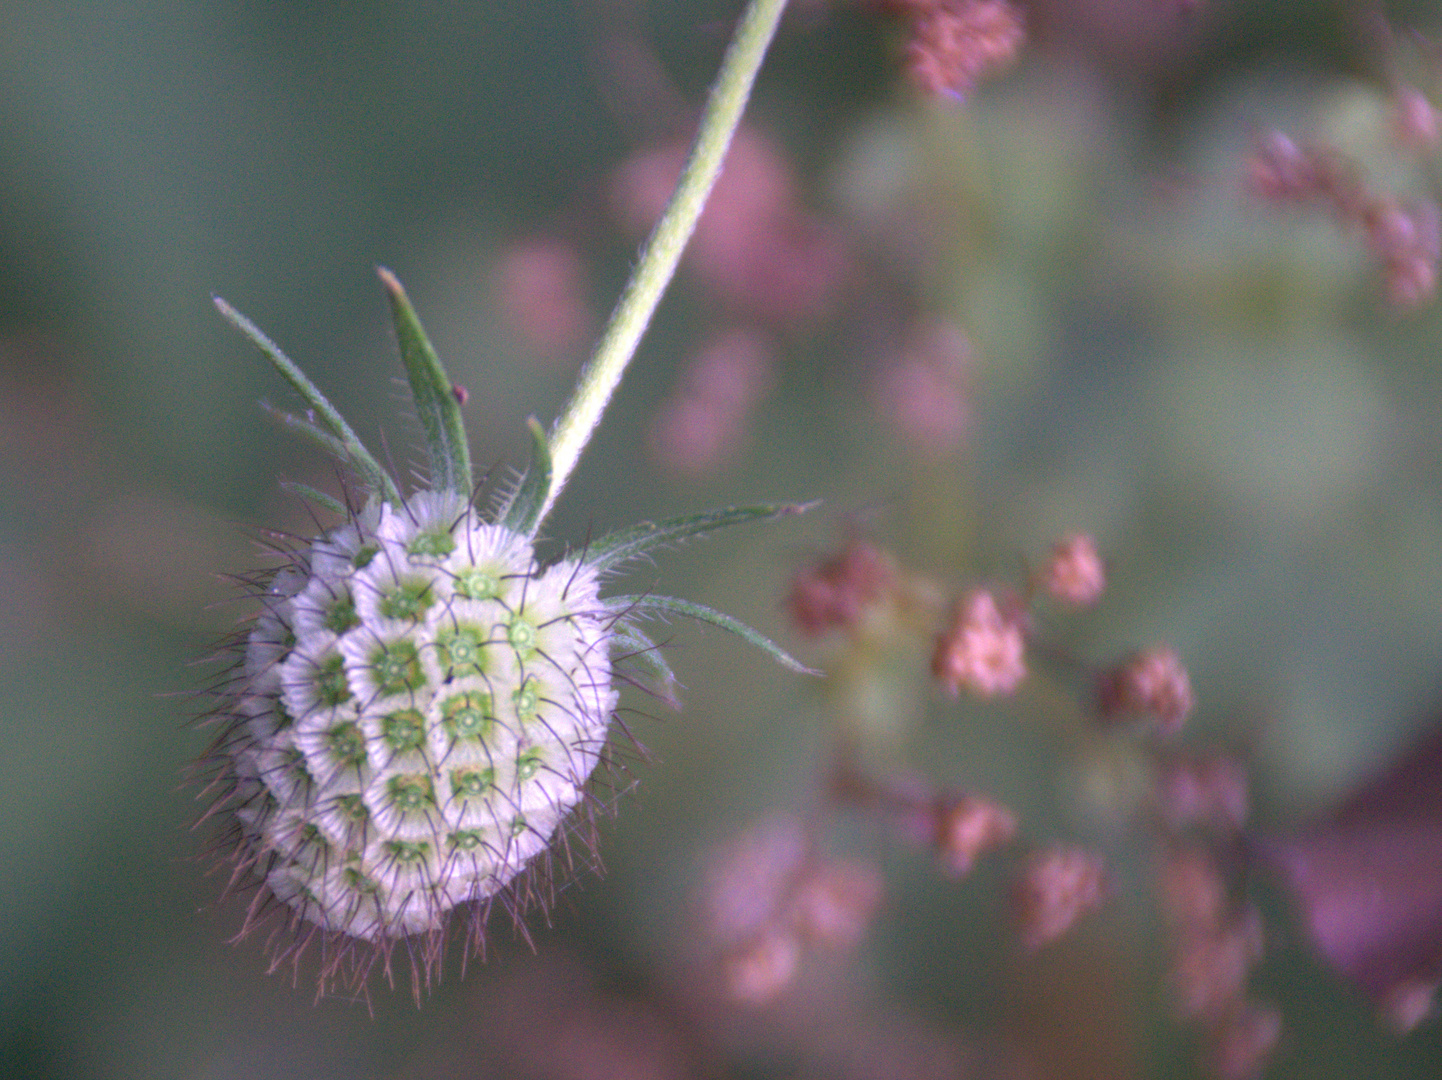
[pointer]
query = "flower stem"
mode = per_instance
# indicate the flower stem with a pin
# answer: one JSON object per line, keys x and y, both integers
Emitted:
{"x": 663, "y": 249}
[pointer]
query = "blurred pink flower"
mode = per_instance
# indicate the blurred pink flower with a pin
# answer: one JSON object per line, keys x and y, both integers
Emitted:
{"x": 1208, "y": 791}
{"x": 968, "y": 826}
{"x": 1152, "y": 682}
{"x": 924, "y": 392}
{"x": 1075, "y": 574}
{"x": 1056, "y": 888}
{"x": 955, "y": 44}
{"x": 983, "y": 649}
{"x": 541, "y": 289}
{"x": 704, "y": 422}
{"x": 836, "y": 593}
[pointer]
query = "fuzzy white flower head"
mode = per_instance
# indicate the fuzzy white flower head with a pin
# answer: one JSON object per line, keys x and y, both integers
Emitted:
{"x": 436, "y": 706}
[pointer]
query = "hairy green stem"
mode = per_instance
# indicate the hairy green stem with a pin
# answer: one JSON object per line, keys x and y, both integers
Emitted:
{"x": 663, "y": 250}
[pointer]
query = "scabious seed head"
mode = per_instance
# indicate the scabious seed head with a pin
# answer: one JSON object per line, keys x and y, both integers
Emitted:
{"x": 416, "y": 711}
{"x": 414, "y": 716}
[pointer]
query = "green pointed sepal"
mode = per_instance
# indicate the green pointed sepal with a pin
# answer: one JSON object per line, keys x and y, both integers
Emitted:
{"x": 437, "y": 406}
{"x": 634, "y": 651}
{"x": 637, "y": 541}
{"x": 661, "y": 606}
{"x": 323, "y": 425}
{"x": 316, "y": 497}
{"x": 522, "y": 512}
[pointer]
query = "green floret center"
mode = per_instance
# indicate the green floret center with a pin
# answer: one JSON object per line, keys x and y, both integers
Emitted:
{"x": 436, "y": 544}
{"x": 404, "y": 730}
{"x": 362, "y": 558}
{"x": 346, "y": 744}
{"x": 314, "y": 853}
{"x": 293, "y": 763}
{"x": 352, "y": 807}
{"x": 466, "y": 839}
{"x": 408, "y": 600}
{"x": 330, "y": 685}
{"x": 283, "y": 719}
{"x": 397, "y": 668}
{"x": 522, "y": 636}
{"x": 473, "y": 583}
{"x": 528, "y": 764}
{"x": 467, "y": 715}
{"x": 461, "y": 651}
{"x": 527, "y": 700}
{"x": 356, "y": 879}
{"x": 408, "y": 852}
{"x": 412, "y": 792}
{"x": 470, "y": 783}
{"x": 341, "y": 615}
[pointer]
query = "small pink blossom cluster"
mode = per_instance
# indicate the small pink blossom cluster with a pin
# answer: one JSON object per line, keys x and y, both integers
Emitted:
{"x": 1215, "y": 941}
{"x": 770, "y": 895}
{"x": 986, "y": 641}
{"x": 1152, "y": 683}
{"x": 1206, "y": 791}
{"x": 1056, "y": 888}
{"x": 983, "y": 648}
{"x": 966, "y": 827}
{"x": 838, "y": 593}
{"x": 1405, "y": 236}
{"x": 954, "y": 44}
{"x": 1215, "y": 945}
{"x": 958, "y": 827}
{"x": 1075, "y": 575}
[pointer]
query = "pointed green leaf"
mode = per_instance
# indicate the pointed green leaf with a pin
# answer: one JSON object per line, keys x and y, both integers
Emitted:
{"x": 339, "y": 440}
{"x": 522, "y": 512}
{"x": 631, "y": 543}
{"x": 635, "y": 649}
{"x": 437, "y": 407}
{"x": 671, "y": 605}
{"x": 320, "y": 498}
{"x": 297, "y": 425}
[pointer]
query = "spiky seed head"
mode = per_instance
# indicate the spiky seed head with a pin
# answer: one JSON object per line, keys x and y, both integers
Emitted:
{"x": 416, "y": 712}
{"x": 413, "y": 718}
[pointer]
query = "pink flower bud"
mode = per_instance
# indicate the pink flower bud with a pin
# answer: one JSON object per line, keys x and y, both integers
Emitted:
{"x": 1075, "y": 575}
{"x": 1057, "y": 887}
{"x": 983, "y": 650}
{"x": 966, "y": 827}
{"x": 1152, "y": 682}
